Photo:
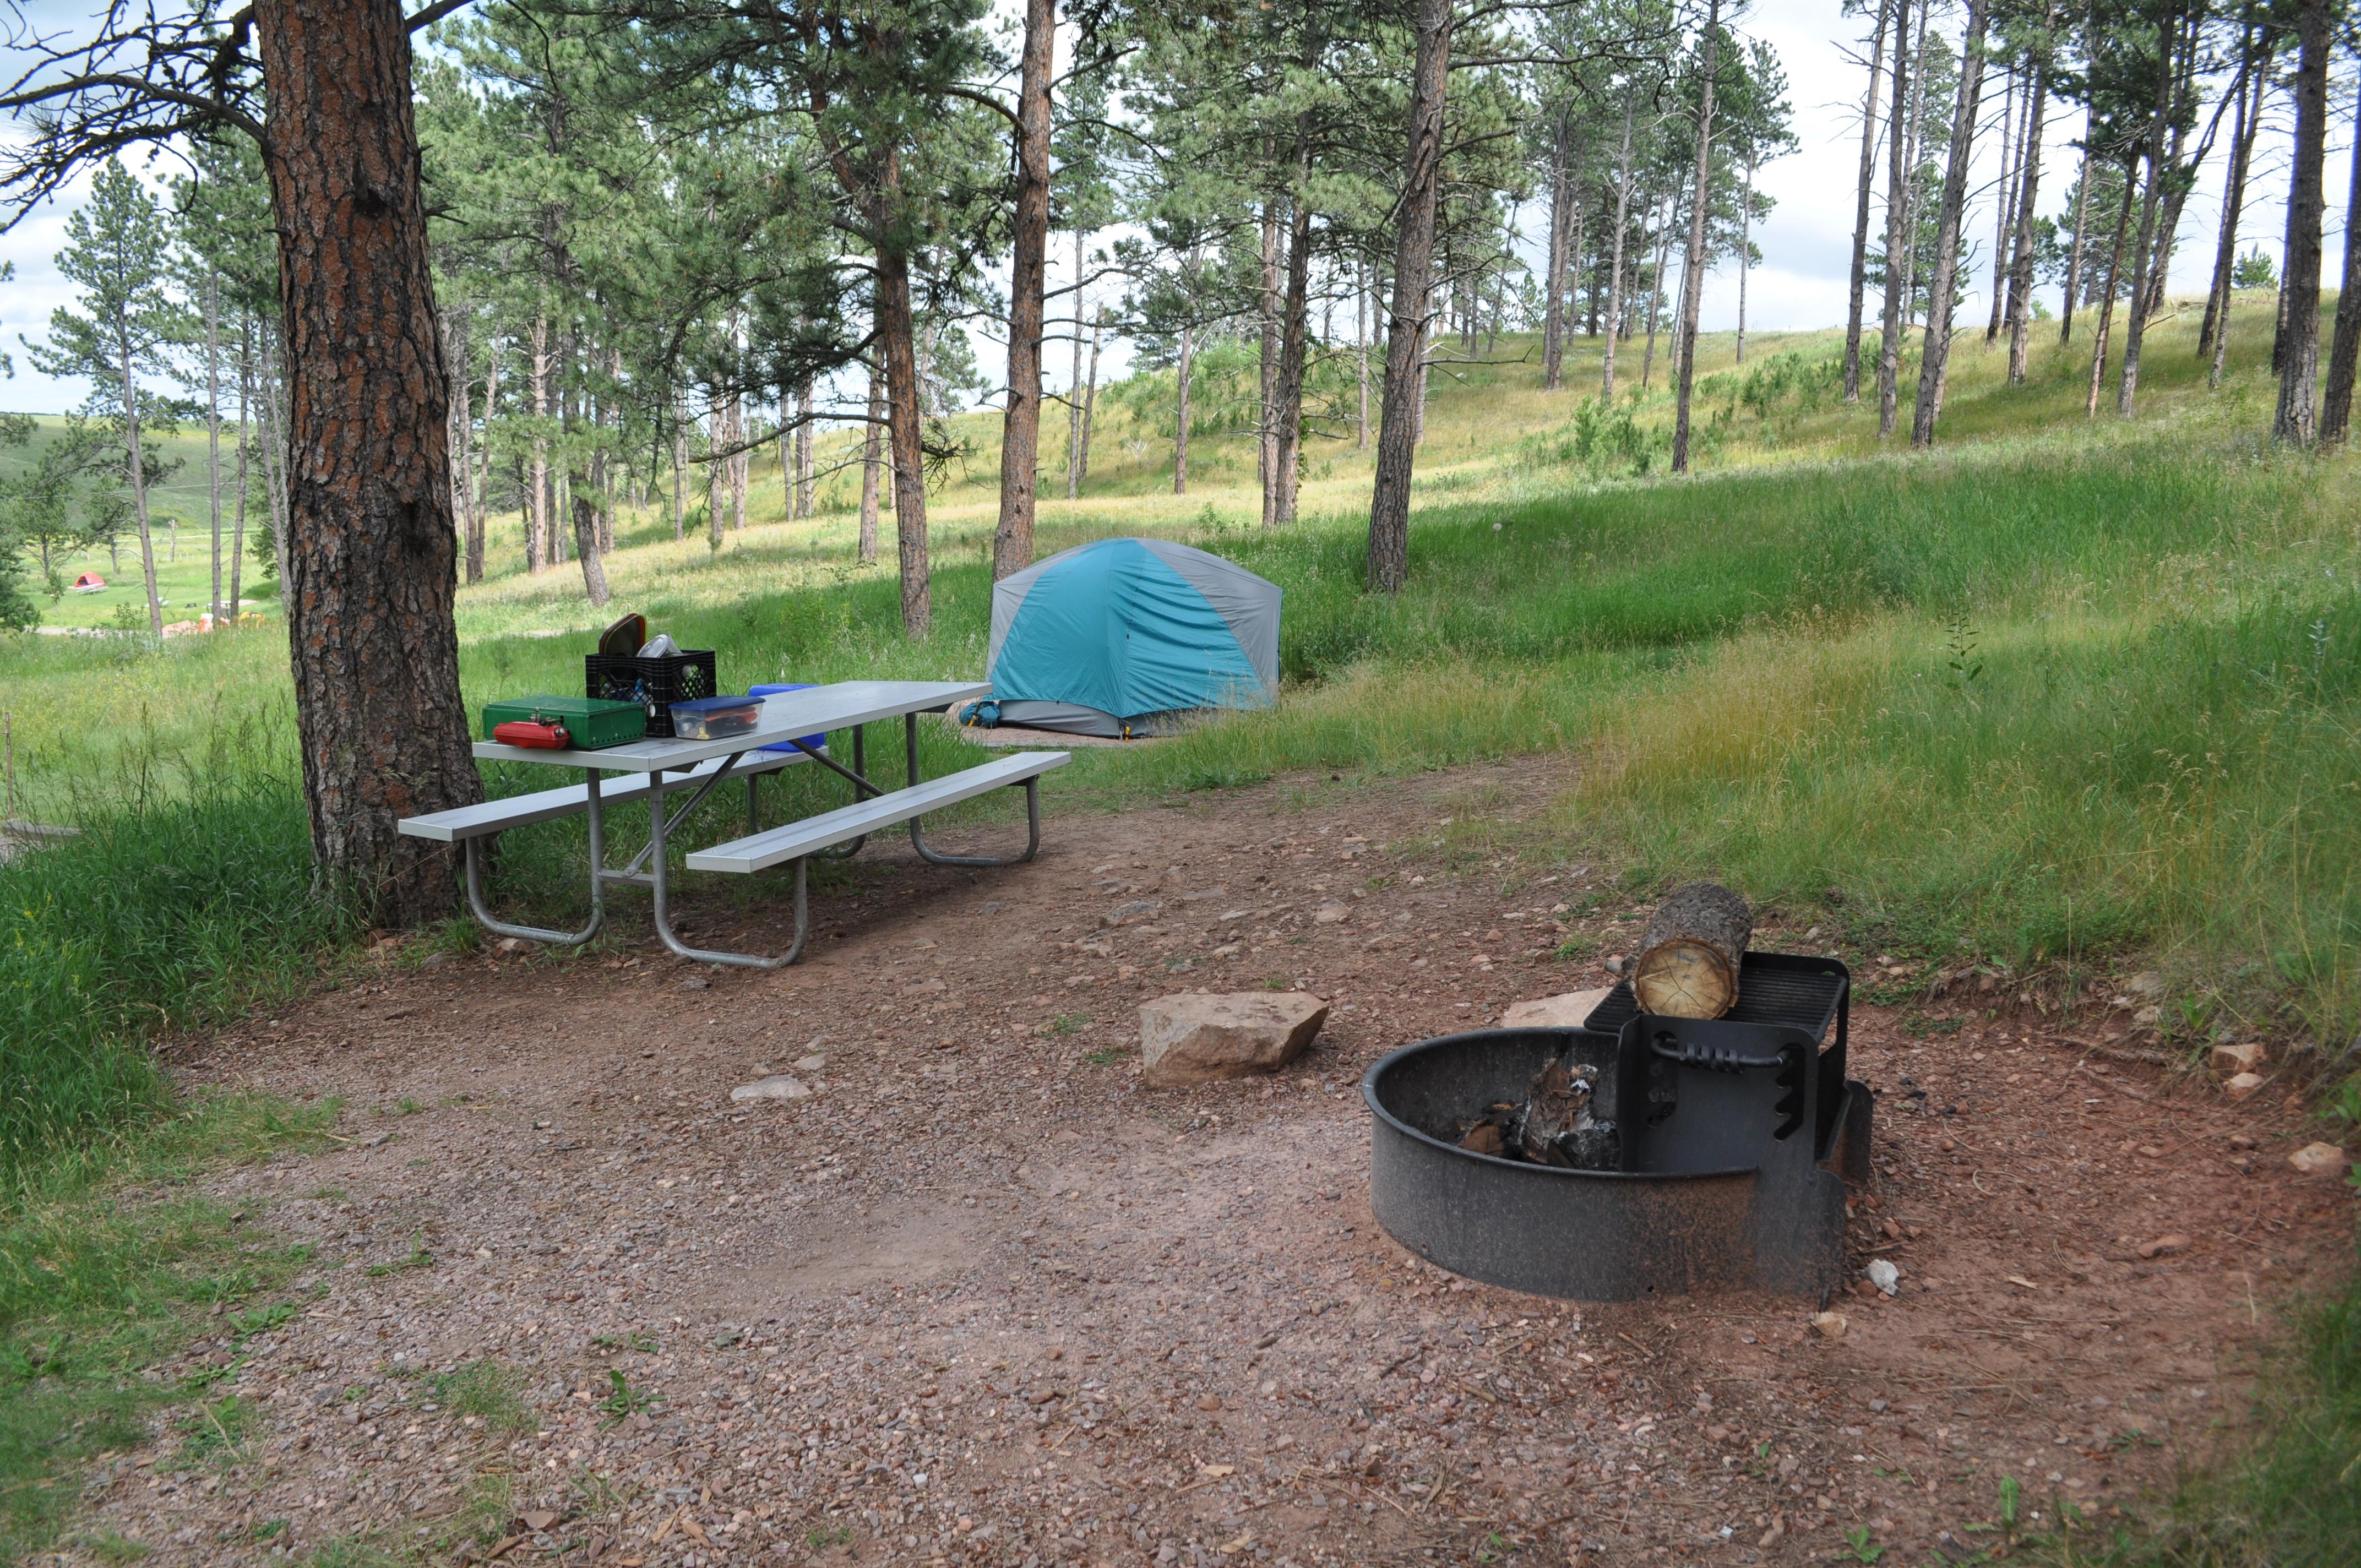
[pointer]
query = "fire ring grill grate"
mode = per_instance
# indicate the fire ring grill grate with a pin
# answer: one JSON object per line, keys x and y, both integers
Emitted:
{"x": 1738, "y": 1137}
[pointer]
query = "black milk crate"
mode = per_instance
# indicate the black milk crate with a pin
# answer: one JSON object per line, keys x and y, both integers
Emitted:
{"x": 654, "y": 684}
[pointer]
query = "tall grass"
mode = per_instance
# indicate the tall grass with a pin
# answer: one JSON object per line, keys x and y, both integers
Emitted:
{"x": 172, "y": 912}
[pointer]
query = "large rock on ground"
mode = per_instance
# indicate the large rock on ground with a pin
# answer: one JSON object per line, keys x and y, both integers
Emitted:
{"x": 1570, "y": 1010}
{"x": 1189, "y": 1038}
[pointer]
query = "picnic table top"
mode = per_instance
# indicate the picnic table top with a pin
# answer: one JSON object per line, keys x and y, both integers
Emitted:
{"x": 786, "y": 715}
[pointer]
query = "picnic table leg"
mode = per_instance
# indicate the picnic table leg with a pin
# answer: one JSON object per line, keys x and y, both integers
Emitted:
{"x": 597, "y": 885}
{"x": 862, "y": 788}
{"x": 660, "y": 889}
{"x": 1032, "y": 816}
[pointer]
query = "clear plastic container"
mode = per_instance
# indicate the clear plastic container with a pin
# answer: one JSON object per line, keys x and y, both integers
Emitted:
{"x": 715, "y": 717}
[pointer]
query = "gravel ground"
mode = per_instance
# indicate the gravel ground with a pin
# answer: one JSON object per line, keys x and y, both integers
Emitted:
{"x": 982, "y": 1299}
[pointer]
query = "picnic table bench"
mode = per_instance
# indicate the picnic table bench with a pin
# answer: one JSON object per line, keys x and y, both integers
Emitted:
{"x": 784, "y": 737}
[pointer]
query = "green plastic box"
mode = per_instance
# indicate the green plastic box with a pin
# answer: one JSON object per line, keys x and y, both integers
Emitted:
{"x": 591, "y": 721}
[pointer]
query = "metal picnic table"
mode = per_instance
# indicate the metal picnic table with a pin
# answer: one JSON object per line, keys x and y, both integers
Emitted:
{"x": 794, "y": 718}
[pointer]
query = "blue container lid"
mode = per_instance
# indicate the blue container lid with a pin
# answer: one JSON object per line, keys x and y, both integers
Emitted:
{"x": 818, "y": 743}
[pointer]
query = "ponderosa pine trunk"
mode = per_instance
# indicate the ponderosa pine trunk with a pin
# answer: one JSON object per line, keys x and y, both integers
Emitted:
{"x": 1692, "y": 257}
{"x": 1561, "y": 231}
{"x": 371, "y": 556}
{"x": 2234, "y": 198}
{"x": 2151, "y": 199}
{"x": 1020, "y": 429}
{"x": 2020, "y": 264}
{"x": 1267, "y": 366}
{"x": 2337, "y": 400}
{"x": 1287, "y": 456}
{"x": 1941, "y": 285}
{"x": 2297, "y": 418}
{"x": 1183, "y": 364}
{"x": 1867, "y": 179}
{"x": 1074, "y": 386}
{"x": 1398, "y": 418}
{"x": 869, "y": 443}
{"x": 1622, "y": 233}
{"x": 897, "y": 327}
{"x": 2003, "y": 212}
{"x": 1745, "y": 257}
{"x": 2107, "y": 303}
{"x": 2074, "y": 280}
{"x": 1897, "y": 207}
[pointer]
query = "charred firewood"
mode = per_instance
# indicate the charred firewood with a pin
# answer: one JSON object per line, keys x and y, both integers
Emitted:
{"x": 1552, "y": 1125}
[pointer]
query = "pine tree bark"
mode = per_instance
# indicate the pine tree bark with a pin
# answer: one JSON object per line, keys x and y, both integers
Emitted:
{"x": 2107, "y": 303}
{"x": 1182, "y": 367}
{"x": 870, "y": 440}
{"x": 1020, "y": 429}
{"x": 1267, "y": 412}
{"x": 2004, "y": 211}
{"x": 2151, "y": 199}
{"x": 1406, "y": 324}
{"x": 1867, "y": 179}
{"x": 1090, "y": 403}
{"x": 1622, "y": 232}
{"x": 897, "y": 327}
{"x": 1074, "y": 386}
{"x": 1294, "y": 335}
{"x": 2074, "y": 280}
{"x": 371, "y": 554}
{"x": 1897, "y": 207}
{"x": 1693, "y": 260}
{"x": 244, "y": 404}
{"x": 2234, "y": 197}
{"x": 1745, "y": 256}
{"x": 1560, "y": 232}
{"x": 2336, "y": 401}
{"x": 2297, "y": 418}
{"x": 213, "y": 428}
{"x": 135, "y": 463}
{"x": 1942, "y": 284}
{"x": 2020, "y": 264}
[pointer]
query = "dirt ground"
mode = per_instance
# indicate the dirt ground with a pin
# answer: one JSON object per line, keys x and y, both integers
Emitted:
{"x": 982, "y": 1297}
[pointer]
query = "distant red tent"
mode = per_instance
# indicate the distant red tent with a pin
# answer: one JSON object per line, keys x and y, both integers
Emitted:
{"x": 89, "y": 580}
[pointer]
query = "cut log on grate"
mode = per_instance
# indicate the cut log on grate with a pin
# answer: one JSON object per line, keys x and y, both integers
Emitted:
{"x": 1688, "y": 964}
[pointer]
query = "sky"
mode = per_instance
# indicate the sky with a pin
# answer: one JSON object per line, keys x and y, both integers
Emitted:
{"x": 1806, "y": 245}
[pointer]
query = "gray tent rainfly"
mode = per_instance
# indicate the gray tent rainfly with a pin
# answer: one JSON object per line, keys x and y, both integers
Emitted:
{"x": 1125, "y": 637}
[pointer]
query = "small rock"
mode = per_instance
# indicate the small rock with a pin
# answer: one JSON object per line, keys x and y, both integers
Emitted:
{"x": 2147, "y": 982}
{"x": 1331, "y": 914}
{"x": 1209, "y": 1402}
{"x": 435, "y": 960}
{"x": 2244, "y": 1084}
{"x": 510, "y": 945}
{"x": 1195, "y": 1038}
{"x": 1128, "y": 913}
{"x": 2148, "y": 1018}
{"x": 2163, "y": 1246}
{"x": 1883, "y": 1275}
{"x": 539, "y": 1519}
{"x": 1828, "y": 1325}
{"x": 696, "y": 982}
{"x": 2242, "y": 1140}
{"x": 2317, "y": 1159}
{"x": 811, "y": 1063}
{"x": 2245, "y": 1057}
{"x": 1615, "y": 965}
{"x": 779, "y": 1086}
{"x": 1569, "y": 1011}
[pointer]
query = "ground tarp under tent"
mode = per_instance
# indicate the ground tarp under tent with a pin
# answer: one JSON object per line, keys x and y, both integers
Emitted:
{"x": 1127, "y": 637}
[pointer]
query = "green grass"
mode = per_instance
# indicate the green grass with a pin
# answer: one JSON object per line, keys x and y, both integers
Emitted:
{"x": 109, "y": 1266}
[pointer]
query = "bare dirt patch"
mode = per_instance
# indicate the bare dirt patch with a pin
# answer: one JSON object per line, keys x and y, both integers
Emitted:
{"x": 983, "y": 1298}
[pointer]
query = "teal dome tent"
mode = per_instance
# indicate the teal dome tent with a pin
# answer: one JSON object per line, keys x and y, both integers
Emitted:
{"x": 1127, "y": 636}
